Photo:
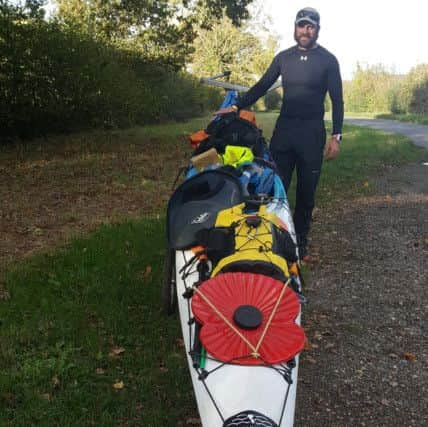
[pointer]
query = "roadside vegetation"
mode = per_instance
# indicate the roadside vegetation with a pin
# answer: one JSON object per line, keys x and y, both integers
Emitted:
{"x": 82, "y": 69}
{"x": 112, "y": 64}
{"x": 83, "y": 338}
{"x": 116, "y": 64}
{"x": 421, "y": 119}
{"x": 375, "y": 89}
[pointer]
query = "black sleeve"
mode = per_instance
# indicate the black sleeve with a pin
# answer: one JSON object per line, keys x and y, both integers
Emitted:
{"x": 262, "y": 86}
{"x": 334, "y": 87}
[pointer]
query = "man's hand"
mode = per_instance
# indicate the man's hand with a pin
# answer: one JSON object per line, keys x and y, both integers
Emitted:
{"x": 332, "y": 148}
{"x": 224, "y": 111}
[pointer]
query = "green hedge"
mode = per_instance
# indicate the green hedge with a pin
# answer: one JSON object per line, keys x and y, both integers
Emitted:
{"x": 54, "y": 79}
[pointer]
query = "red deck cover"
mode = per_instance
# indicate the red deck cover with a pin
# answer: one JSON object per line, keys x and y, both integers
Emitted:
{"x": 228, "y": 291}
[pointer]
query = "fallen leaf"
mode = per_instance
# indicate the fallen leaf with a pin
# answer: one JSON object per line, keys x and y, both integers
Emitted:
{"x": 311, "y": 359}
{"x": 311, "y": 259}
{"x": 365, "y": 184}
{"x": 37, "y": 231}
{"x": 388, "y": 198}
{"x": 162, "y": 367}
{"x": 193, "y": 421}
{"x": 179, "y": 342}
{"x": 318, "y": 336}
{"x": 100, "y": 371}
{"x": 118, "y": 385}
{"x": 116, "y": 351}
{"x": 410, "y": 357}
{"x": 9, "y": 397}
{"x": 385, "y": 402}
{"x": 308, "y": 345}
{"x": 4, "y": 294}
{"x": 55, "y": 381}
{"x": 147, "y": 271}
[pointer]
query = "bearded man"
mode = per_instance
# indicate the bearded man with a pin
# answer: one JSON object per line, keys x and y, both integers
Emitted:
{"x": 308, "y": 72}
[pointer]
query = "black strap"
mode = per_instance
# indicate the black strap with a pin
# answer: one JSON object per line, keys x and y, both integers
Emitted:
{"x": 180, "y": 171}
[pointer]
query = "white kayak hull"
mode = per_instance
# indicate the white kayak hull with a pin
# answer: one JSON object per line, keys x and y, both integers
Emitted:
{"x": 233, "y": 389}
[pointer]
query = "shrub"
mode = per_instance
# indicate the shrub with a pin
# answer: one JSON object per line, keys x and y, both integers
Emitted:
{"x": 412, "y": 95}
{"x": 369, "y": 90}
{"x": 54, "y": 79}
{"x": 273, "y": 99}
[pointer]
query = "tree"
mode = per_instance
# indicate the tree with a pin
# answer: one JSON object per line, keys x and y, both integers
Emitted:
{"x": 209, "y": 12}
{"x": 23, "y": 9}
{"x": 151, "y": 27}
{"x": 226, "y": 47}
{"x": 160, "y": 30}
{"x": 34, "y": 8}
{"x": 370, "y": 89}
{"x": 412, "y": 94}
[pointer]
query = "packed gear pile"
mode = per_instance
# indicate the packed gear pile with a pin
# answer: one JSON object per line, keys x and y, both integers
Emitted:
{"x": 233, "y": 272}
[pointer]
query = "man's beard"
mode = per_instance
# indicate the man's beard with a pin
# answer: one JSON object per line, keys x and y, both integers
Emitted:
{"x": 310, "y": 42}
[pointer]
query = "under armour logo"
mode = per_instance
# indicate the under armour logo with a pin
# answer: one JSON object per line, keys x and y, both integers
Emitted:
{"x": 303, "y": 58}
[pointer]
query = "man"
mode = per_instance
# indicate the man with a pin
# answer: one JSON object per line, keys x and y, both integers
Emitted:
{"x": 308, "y": 71}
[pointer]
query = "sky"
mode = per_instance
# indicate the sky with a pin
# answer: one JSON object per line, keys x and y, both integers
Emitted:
{"x": 394, "y": 33}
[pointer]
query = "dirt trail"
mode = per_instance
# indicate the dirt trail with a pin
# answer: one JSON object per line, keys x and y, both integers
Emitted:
{"x": 367, "y": 316}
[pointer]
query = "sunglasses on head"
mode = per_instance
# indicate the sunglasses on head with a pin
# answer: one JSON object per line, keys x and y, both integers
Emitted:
{"x": 302, "y": 24}
{"x": 310, "y": 15}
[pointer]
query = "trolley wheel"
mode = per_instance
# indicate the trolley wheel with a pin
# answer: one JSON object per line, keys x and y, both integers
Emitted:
{"x": 169, "y": 284}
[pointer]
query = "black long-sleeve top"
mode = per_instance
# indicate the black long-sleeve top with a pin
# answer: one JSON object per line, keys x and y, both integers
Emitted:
{"x": 306, "y": 75}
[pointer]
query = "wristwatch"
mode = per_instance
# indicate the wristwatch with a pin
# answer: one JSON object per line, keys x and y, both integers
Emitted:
{"x": 338, "y": 137}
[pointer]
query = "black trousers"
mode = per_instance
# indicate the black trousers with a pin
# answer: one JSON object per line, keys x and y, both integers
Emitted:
{"x": 298, "y": 143}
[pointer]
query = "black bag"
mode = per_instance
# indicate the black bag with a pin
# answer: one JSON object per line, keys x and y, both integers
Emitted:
{"x": 195, "y": 204}
{"x": 233, "y": 130}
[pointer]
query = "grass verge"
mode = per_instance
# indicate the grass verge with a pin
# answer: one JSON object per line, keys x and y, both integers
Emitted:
{"x": 421, "y": 119}
{"x": 83, "y": 340}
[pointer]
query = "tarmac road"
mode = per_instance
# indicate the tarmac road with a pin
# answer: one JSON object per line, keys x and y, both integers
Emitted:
{"x": 417, "y": 133}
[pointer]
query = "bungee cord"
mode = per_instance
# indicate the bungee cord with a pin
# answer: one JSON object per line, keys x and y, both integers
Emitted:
{"x": 285, "y": 370}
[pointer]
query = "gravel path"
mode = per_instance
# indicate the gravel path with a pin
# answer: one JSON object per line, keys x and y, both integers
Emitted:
{"x": 367, "y": 362}
{"x": 417, "y": 133}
